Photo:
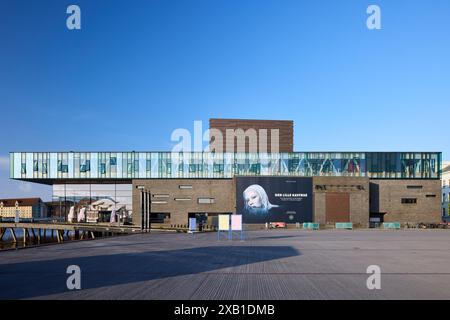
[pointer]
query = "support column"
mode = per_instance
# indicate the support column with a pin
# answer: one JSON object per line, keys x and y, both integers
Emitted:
{"x": 143, "y": 205}
{"x": 13, "y": 234}
{"x": 147, "y": 209}
{"x": 60, "y": 235}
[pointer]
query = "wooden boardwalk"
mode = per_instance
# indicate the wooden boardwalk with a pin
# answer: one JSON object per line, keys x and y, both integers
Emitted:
{"x": 36, "y": 230}
{"x": 274, "y": 264}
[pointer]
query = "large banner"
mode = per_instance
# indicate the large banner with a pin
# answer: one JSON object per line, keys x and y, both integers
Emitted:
{"x": 274, "y": 199}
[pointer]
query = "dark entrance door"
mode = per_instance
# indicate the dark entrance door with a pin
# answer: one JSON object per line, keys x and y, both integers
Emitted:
{"x": 201, "y": 219}
{"x": 337, "y": 207}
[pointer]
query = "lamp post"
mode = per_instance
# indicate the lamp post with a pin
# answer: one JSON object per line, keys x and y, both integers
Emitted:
{"x": 17, "y": 216}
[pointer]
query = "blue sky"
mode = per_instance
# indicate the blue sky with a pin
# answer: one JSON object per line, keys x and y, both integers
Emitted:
{"x": 138, "y": 70}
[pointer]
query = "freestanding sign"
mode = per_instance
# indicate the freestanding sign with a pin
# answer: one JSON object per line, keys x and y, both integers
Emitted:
{"x": 236, "y": 225}
{"x": 224, "y": 222}
{"x": 236, "y": 222}
{"x": 229, "y": 223}
{"x": 192, "y": 224}
{"x": 224, "y": 225}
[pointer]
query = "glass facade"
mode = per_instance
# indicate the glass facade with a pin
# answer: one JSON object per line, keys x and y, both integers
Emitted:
{"x": 142, "y": 165}
{"x": 100, "y": 197}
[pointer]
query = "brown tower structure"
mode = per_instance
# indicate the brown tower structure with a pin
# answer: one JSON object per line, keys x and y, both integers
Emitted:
{"x": 256, "y": 135}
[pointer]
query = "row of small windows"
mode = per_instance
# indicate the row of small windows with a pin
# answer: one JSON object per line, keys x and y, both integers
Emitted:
{"x": 376, "y": 165}
{"x": 84, "y": 167}
{"x": 199, "y": 200}
{"x": 414, "y": 200}
{"x": 134, "y": 167}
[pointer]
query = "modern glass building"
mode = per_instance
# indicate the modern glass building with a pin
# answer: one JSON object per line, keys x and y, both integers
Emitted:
{"x": 50, "y": 167}
{"x": 340, "y": 186}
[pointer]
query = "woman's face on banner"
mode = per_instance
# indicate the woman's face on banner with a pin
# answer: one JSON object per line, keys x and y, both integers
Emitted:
{"x": 253, "y": 199}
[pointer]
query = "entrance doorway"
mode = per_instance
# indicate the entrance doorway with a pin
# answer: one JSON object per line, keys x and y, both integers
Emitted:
{"x": 337, "y": 207}
{"x": 201, "y": 219}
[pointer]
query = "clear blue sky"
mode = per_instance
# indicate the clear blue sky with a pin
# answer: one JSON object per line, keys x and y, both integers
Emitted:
{"x": 139, "y": 69}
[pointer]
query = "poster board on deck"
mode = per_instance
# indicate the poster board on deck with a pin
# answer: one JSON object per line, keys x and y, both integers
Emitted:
{"x": 224, "y": 222}
{"x": 236, "y": 222}
{"x": 192, "y": 224}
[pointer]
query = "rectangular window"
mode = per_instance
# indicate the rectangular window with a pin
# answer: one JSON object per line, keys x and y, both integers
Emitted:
{"x": 148, "y": 165}
{"x": 35, "y": 166}
{"x": 44, "y": 168}
{"x": 185, "y": 186}
{"x": 64, "y": 168}
{"x": 86, "y": 166}
{"x": 160, "y": 196}
{"x": 23, "y": 169}
{"x": 182, "y": 199}
{"x": 102, "y": 168}
{"x": 218, "y": 168}
{"x": 255, "y": 168}
{"x": 205, "y": 200}
{"x": 113, "y": 161}
{"x": 409, "y": 200}
{"x": 159, "y": 202}
{"x": 431, "y": 196}
{"x": 414, "y": 187}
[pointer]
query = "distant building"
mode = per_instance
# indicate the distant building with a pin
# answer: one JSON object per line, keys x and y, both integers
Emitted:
{"x": 446, "y": 189}
{"x": 28, "y": 208}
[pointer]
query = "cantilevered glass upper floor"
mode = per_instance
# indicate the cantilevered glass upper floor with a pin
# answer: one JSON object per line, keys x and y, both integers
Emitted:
{"x": 53, "y": 166}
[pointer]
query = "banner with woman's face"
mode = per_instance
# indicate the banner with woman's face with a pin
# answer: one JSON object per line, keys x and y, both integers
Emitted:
{"x": 274, "y": 199}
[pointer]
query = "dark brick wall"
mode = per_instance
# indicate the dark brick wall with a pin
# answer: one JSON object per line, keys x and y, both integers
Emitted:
{"x": 386, "y": 197}
{"x": 223, "y": 192}
{"x": 355, "y": 189}
{"x": 285, "y": 127}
